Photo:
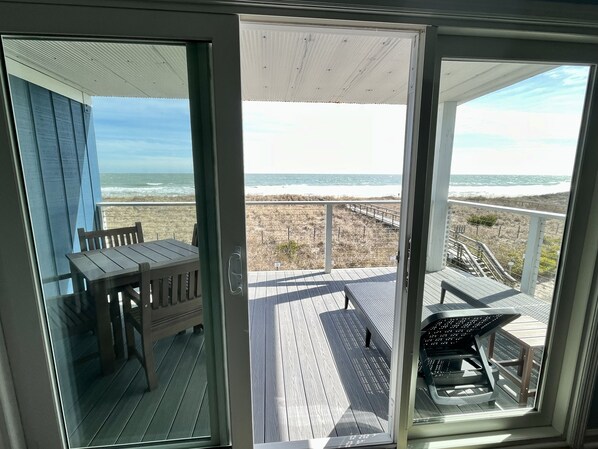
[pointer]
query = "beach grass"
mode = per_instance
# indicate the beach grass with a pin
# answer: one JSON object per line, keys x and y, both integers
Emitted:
{"x": 292, "y": 237}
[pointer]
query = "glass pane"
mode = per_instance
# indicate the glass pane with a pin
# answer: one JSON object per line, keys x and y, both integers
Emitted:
{"x": 505, "y": 147}
{"x": 105, "y": 144}
{"x": 324, "y": 121}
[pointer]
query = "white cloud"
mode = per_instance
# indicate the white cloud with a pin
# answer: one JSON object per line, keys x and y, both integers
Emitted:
{"x": 323, "y": 138}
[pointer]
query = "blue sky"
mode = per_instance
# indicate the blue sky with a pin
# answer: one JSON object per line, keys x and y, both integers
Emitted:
{"x": 528, "y": 128}
{"x": 142, "y": 135}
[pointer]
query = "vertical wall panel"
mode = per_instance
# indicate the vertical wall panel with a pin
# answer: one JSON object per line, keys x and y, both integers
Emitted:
{"x": 70, "y": 162}
{"x": 33, "y": 182}
{"x": 61, "y": 177}
{"x": 92, "y": 157}
{"x": 86, "y": 194}
{"x": 52, "y": 176}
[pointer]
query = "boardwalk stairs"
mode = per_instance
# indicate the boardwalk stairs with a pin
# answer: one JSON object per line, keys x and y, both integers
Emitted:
{"x": 462, "y": 252}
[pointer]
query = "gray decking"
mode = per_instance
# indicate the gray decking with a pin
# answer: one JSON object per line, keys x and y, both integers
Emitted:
{"x": 116, "y": 409}
{"x": 311, "y": 374}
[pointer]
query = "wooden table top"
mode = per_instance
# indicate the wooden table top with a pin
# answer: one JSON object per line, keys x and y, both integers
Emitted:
{"x": 107, "y": 263}
{"x": 527, "y": 330}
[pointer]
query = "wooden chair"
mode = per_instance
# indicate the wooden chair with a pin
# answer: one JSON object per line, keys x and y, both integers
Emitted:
{"x": 169, "y": 301}
{"x": 109, "y": 238}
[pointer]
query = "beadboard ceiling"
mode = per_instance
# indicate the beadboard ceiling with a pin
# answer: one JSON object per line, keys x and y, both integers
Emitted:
{"x": 278, "y": 63}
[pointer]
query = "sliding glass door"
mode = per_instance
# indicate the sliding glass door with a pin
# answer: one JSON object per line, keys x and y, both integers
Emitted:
{"x": 138, "y": 238}
{"x": 503, "y": 224}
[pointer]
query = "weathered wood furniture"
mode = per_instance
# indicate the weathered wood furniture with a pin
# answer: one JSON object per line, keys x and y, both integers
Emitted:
{"x": 109, "y": 238}
{"x": 530, "y": 335}
{"x": 169, "y": 301}
{"x": 526, "y": 332}
{"x": 451, "y": 354}
{"x": 111, "y": 269}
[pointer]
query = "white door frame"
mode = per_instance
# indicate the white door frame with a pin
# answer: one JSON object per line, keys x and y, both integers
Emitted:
{"x": 21, "y": 308}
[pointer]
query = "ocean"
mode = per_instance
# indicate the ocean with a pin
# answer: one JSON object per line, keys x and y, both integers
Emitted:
{"x": 176, "y": 184}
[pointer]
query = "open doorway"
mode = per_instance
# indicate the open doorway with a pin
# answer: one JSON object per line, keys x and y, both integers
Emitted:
{"x": 324, "y": 128}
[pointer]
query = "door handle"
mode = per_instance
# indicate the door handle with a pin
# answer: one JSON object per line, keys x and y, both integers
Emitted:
{"x": 235, "y": 272}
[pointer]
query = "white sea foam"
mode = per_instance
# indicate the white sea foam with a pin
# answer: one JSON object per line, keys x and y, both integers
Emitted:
{"x": 510, "y": 191}
{"x": 323, "y": 190}
{"x": 364, "y": 186}
{"x": 394, "y": 190}
{"x": 158, "y": 190}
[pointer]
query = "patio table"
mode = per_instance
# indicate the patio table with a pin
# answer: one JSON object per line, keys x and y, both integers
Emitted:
{"x": 106, "y": 272}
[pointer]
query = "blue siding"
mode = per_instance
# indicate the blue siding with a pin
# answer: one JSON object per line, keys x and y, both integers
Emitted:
{"x": 54, "y": 135}
{"x": 92, "y": 156}
{"x": 87, "y": 202}
{"x": 33, "y": 183}
{"x": 52, "y": 175}
{"x": 70, "y": 163}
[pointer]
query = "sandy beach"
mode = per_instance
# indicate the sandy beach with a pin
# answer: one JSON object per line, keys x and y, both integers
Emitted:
{"x": 293, "y": 235}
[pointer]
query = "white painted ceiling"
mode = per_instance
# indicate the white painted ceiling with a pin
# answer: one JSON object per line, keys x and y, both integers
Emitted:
{"x": 278, "y": 63}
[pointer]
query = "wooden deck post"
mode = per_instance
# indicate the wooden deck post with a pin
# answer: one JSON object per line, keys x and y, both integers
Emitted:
{"x": 445, "y": 131}
{"x": 531, "y": 264}
{"x": 328, "y": 240}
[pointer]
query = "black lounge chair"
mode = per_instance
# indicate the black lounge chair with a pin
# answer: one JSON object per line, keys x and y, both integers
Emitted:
{"x": 452, "y": 358}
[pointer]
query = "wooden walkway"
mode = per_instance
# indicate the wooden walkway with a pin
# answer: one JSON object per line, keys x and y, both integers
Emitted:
{"x": 311, "y": 374}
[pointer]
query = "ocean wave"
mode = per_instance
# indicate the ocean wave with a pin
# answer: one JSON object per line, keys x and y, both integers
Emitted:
{"x": 147, "y": 191}
{"x": 395, "y": 190}
{"x": 365, "y": 186}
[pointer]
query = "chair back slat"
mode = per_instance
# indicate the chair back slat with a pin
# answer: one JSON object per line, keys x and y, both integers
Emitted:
{"x": 109, "y": 238}
{"x": 169, "y": 303}
{"x": 169, "y": 286}
{"x": 191, "y": 292}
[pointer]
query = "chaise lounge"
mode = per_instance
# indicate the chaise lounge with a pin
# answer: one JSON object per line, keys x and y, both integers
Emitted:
{"x": 451, "y": 354}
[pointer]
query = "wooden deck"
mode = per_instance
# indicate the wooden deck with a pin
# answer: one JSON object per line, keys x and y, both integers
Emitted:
{"x": 311, "y": 374}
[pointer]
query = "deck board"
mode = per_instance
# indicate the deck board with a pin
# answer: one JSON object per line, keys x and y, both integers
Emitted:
{"x": 257, "y": 334}
{"x": 165, "y": 414}
{"x": 188, "y": 412}
{"x": 298, "y": 414}
{"x": 141, "y": 418}
{"x": 319, "y": 411}
{"x": 312, "y": 376}
{"x": 275, "y": 401}
{"x": 340, "y": 407}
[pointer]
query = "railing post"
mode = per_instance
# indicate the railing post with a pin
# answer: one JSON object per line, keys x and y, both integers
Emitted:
{"x": 328, "y": 240}
{"x": 100, "y": 217}
{"x": 531, "y": 264}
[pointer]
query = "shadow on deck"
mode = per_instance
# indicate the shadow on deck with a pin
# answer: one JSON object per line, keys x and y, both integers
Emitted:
{"x": 312, "y": 376}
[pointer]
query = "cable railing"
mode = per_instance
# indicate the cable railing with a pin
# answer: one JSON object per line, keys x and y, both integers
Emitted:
{"x": 521, "y": 252}
{"x": 520, "y": 247}
{"x": 288, "y": 235}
